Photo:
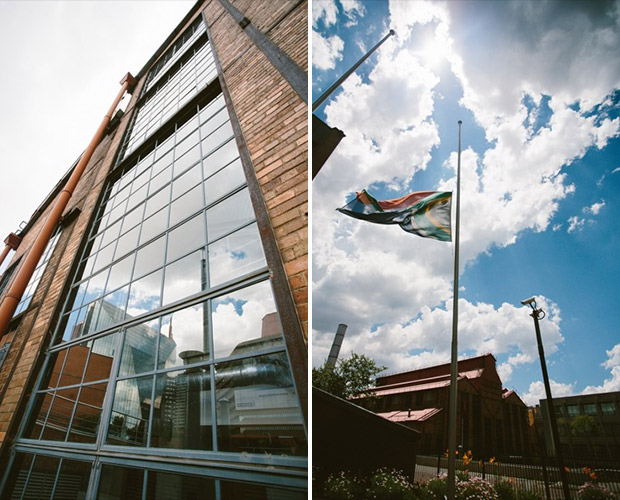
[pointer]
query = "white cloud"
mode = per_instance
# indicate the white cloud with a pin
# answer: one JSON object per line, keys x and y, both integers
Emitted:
{"x": 575, "y": 224}
{"x": 536, "y": 391}
{"x": 325, "y": 10}
{"x": 612, "y": 363}
{"x": 595, "y": 208}
{"x": 326, "y": 51}
{"x": 352, "y": 9}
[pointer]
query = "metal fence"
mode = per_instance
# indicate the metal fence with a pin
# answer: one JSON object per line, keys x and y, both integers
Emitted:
{"x": 536, "y": 474}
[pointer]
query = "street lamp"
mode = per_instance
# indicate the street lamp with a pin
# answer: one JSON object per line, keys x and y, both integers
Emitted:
{"x": 540, "y": 314}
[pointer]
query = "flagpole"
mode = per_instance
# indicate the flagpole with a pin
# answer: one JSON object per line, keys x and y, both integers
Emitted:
{"x": 454, "y": 354}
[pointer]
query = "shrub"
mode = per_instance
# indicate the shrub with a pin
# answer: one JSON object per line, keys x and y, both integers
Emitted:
{"x": 527, "y": 495}
{"x": 590, "y": 491}
{"x": 386, "y": 484}
{"x": 434, "y": 489}
{"x": 343, "y": 486}
{"x": 505, "y": 490}
{"x": 475, "y": 488}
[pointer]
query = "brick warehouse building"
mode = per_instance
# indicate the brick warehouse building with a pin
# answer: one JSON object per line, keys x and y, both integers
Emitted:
{"x": 159, "y": 348}
{"x": 491, "y": 421}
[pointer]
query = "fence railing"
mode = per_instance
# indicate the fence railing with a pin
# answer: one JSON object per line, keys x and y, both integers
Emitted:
{"x": 537, "y": 474}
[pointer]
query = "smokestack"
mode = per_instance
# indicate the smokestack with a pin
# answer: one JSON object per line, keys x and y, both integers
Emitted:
{"x": 336, "y": 345}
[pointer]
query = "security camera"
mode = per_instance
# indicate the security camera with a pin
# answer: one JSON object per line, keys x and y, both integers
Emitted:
{"x": 528, "y": 302}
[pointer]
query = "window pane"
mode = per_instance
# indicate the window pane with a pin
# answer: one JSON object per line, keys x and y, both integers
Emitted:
{"x": 127, "y": 242}
{"x": 154, "y": 225}
{"x": 113, "y": 308}
{"x": 224, "y": 181}
{"x": 104, "y": 257}
{"x": 130, "y": 413}
{"x": 150, "y": 257}
{"x": 145, "y": 294}
{"x": 39, "y": 413}
{"x": 166, "y": 486}
{"x": 85, "y": 424}
{"x": 120, "y": 483}
{"x": 257, "y": 407}
{"x": 229, "y": 214}
{"x": 183, "y": 419}
{"x": 186, "y": 205}
{"x": 76, "y": 362}
{"x": 183, "y": 278}
{"x": 60, "y": 414}
{"x": 245, "y": 321}
{"x": 157, "y": 202}
{"x": 42, "y": 478}
{"x": 185, "y": 238}
{"x": 120, "y": 273}
{"x": 235, "y": 255}
{"x": 139, "y": 346}
{"x": 101, "y": 358}
{"x": 161, "y": 180}
{"x": 222, "y": 156}
{"x": 186, "y": 181}
{"x": 186, "y": 334}
{"x": 17, "y": 479}
{"x": 72, "y": 481}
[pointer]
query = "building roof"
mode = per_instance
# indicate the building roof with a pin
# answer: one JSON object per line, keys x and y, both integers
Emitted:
{"x": 410, "y": 415}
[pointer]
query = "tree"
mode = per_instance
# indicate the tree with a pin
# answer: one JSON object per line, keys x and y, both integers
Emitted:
{"x": 349, "y": 377}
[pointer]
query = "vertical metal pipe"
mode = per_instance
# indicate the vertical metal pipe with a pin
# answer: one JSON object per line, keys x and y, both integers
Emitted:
{"x": 338, "y": 82}
{"x": 550, "y": 407}
{"x": 336, "y": 345}
{"x": 7, "y": 309}
{"x": 454, "y": 356}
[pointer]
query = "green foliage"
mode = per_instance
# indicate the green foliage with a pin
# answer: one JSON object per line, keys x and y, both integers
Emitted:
{"x": 435, "y": 489}
{"x": 475, "y": 488}
{"x": 527, "y": 495}
{"x": 583, "y": 424}
{"x": 349, "y": 377}
{"x": 591, "y": 491}
{"x": 505, "y": 490}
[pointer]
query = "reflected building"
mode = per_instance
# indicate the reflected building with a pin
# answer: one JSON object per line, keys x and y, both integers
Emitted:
{"x": 160, "y": 347}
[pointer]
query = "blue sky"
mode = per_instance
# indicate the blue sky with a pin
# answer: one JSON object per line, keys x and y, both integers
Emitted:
{"x": 537, "y": 86}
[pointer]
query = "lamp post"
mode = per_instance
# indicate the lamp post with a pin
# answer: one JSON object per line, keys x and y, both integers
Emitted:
{"x": 537, "y": 314}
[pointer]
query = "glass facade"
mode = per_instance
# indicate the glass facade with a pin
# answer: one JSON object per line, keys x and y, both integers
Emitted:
{"x": 170, "y": 344}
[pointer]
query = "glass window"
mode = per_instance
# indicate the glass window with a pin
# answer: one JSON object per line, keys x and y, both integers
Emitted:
{"x": 183, "y": 419}
{"x": 235, "y": 255}
{"x": 224, "y": 181}
{"x": 243, "y": 321}
{"x": 573, "y": 410}
{"x": 85, "y": 423}
{"x": 257, "y": 409}
{"x": 118, "y": 483}
{"x": 166, "y": 486}
{"x": 184, "y": 277}
{"x": 145, "y": 294}
{"x": 185, "y": 238}
{"x": 186, "y": 205}
{"x": 139, "y": 348}
{"x": 608, "y": 408}
{"x": 150, "y": 257}
{"x": 229, "y": 214}
{"x": 129, "y": 419}
{"x": 233, "y": 491}
{"x": 222, "y": 156}
{"x": 589, "y": 409}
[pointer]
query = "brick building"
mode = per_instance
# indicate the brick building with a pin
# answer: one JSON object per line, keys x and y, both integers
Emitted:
{"x": 160, "y": 345}
{"x": 491, "y": 421}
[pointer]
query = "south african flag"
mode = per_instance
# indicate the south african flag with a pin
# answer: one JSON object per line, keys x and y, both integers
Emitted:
{"x": 425, "y": 213}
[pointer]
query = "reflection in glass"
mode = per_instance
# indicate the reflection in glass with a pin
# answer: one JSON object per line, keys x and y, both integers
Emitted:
{"x": 145, "y": 294}
{"x": 111, "y": 309}
{"x": 60, "y": 414}
{"x": 120, "y": 483}
{"x": 222, "y": 156}
{"x": 257, "y": 407}
{"x": 44, "y": 470}
{"x": 224, "y": 181}
{"x": 186, "y": 181}
{"x": 186, "y": 205}
{"x": 154, "y": 225}
{"x": 120, "y": 273}
{"x": 185, "y": 238}
{"x": 39, "y": 413}
{"x": 130, "y": 413}
{"x": 183, "y": 418}
{"x": 76, "y": 361}
{"x": 87, "y": 415}
{"x": 167, "y": 486}
{"x": 150, "y": 257}
{"x": 185, "y": 337}
{"x": 101, "y": 358}
{"x": 245, "y": 321}
{"x": 229, "y": 214}
{"x": 183, "y": 278}
{"x": 72, "y": 481}
{"x": 74, "y": 324}
{"x": 139, "y": 347}
{"x": 235, "y": 255}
